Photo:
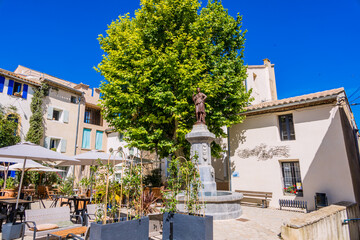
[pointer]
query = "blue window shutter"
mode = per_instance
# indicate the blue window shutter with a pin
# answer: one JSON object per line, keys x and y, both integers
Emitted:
{"x": 2, "y": 82}
{"x": 10, "y": 87}
{"x": 86, "y": 138}
{"x": 25, "y": 91}
{"x": 98, "y": 140}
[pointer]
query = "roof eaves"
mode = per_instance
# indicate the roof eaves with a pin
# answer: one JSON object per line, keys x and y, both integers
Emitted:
{"x": 63, "y": 86}
{"x": 17, "y": 77}
{"x": 291, "y": 104}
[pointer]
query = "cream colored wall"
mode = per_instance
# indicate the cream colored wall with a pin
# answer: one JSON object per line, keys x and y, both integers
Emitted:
{"x": 60, "y": 99}
{"x": 22, "y": 105}
{"x": 319, "y": 147}
{"x": 261, "y": 79}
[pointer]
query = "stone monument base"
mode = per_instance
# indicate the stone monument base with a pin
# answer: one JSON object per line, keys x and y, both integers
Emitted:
{"x": 223, "y": 205}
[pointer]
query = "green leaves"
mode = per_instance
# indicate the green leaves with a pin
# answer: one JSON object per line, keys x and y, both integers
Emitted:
{"x": 36, "y": 130}
{"x": 8, "y": 127}
{"x": 153, "y": 63}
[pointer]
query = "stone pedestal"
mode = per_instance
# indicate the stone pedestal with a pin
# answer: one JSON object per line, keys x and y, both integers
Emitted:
{"x": 219, "y": 204}
{"x": 200, "y": 138}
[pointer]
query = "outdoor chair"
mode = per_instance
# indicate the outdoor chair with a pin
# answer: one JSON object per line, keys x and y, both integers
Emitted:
{"x": 49, "y": 193}
{"x": 40, "y": 222}
{"x": 90, "y": 214}
{"x": 41, "y": 192}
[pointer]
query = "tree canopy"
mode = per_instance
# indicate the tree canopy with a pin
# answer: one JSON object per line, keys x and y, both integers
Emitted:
{"x": 153, "y": 63}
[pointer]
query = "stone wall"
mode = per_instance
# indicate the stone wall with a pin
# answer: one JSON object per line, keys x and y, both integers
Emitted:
{"x": 326, "y": 223}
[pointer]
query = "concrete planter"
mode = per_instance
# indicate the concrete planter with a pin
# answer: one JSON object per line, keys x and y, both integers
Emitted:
{"x": 187, "y": 227}
{"x": 137, "y": 229}
{"x": 12, "y": 230}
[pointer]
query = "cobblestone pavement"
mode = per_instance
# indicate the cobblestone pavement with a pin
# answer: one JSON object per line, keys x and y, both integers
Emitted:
{"x": 255, "y": 223}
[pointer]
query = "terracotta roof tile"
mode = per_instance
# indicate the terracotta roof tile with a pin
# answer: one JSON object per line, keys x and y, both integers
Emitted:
{"x": 18, "y": 76}
{"x": 297, "y": 99}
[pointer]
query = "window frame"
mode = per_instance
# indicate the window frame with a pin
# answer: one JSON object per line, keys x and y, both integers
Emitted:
{"x": 288, "y": 129}
{"x": 58, "y": 143}
{"x": 295, "y": 178}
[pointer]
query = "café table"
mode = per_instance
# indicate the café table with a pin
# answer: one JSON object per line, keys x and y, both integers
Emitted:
{"x": 79, "y": 210}
{"x": 10, "y": 208}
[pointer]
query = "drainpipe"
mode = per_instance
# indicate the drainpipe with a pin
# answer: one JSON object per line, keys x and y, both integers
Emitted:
{"x": 77, "y": 130}
{"x": 229, "y": 169}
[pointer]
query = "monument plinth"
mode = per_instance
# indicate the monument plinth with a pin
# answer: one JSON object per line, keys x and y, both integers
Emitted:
{"x": 200, "y": 138}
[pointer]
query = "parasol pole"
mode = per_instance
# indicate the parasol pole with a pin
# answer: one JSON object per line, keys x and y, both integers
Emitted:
{"x": 106, "y": 191}
{"x": 5, "y": 176}
{"x": 20, "y": 184}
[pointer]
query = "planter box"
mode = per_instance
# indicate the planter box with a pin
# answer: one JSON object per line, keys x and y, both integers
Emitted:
{"x": 137, "y": 229}
{"x": 187, "y": 227}
{"x": 12, "y": 231}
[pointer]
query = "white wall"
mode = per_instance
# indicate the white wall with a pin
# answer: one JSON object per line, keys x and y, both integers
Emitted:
{"x": 319, "y": 147}
{"x": 22, "y": 105}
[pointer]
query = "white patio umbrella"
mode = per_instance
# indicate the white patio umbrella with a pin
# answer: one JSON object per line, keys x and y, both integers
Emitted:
{"x": 27, "y": 150}
{"x": 6, "y": 168}
{"x": 92, "y": 157}
{"x": 33, "y": 166}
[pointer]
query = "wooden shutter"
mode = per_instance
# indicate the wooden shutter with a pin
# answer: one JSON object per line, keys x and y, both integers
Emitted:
{"x": 2, "y": 82}
{"x": 66, "y": 116}
{"x": 10, "y": 87}
{"x": 47, "y": 142}
{"x": 50, "y": 113}
{"x": 63, "y": 145}
{"x": 25, "y": 91}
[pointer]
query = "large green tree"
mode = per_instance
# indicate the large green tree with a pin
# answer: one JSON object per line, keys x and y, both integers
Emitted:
{"x": 154, "y": 62}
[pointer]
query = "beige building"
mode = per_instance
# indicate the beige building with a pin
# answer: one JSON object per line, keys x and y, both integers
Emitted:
{"x": 73, "y": 121}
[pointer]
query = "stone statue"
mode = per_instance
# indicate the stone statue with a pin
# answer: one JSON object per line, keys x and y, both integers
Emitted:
{"x": 199, "y": 100}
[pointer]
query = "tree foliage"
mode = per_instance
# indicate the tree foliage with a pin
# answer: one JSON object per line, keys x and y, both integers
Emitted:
{"x": 36, "y": 130}
{"x": 154, "y": 62}
{"x": 8, "y": 127}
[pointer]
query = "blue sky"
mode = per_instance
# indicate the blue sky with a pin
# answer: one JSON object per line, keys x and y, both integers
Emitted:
{"x": 315, "y": 45}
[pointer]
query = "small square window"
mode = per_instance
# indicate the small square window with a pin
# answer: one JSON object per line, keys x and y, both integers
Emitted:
{"x": 56, "y": 115}
{"x": 73, "y": 99}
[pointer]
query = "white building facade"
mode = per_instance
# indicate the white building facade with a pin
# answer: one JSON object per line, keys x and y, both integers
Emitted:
{"x": 295, "y": 147}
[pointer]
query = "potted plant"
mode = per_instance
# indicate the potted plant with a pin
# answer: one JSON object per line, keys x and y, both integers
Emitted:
{"x": 109, "y": 196}
{"x": 184, "y": 178}
{"x": 85, "y": 185}
{"x": 10, "y": 187}
{"x": 18, "y": 94}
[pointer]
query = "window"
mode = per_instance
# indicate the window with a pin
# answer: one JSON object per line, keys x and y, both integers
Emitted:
{"x": 286, "y": 125}
{"x": 56, "y": 115}
{"x": 73, "y": 99}
{"x": 86, "y": 138}
{"x": 54, "y": 143}
{"x": 92, "y": 116}
{"x": 292, "y": 178}
{"x": 98, "y": 140}
{"x": 17, "y": 88}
